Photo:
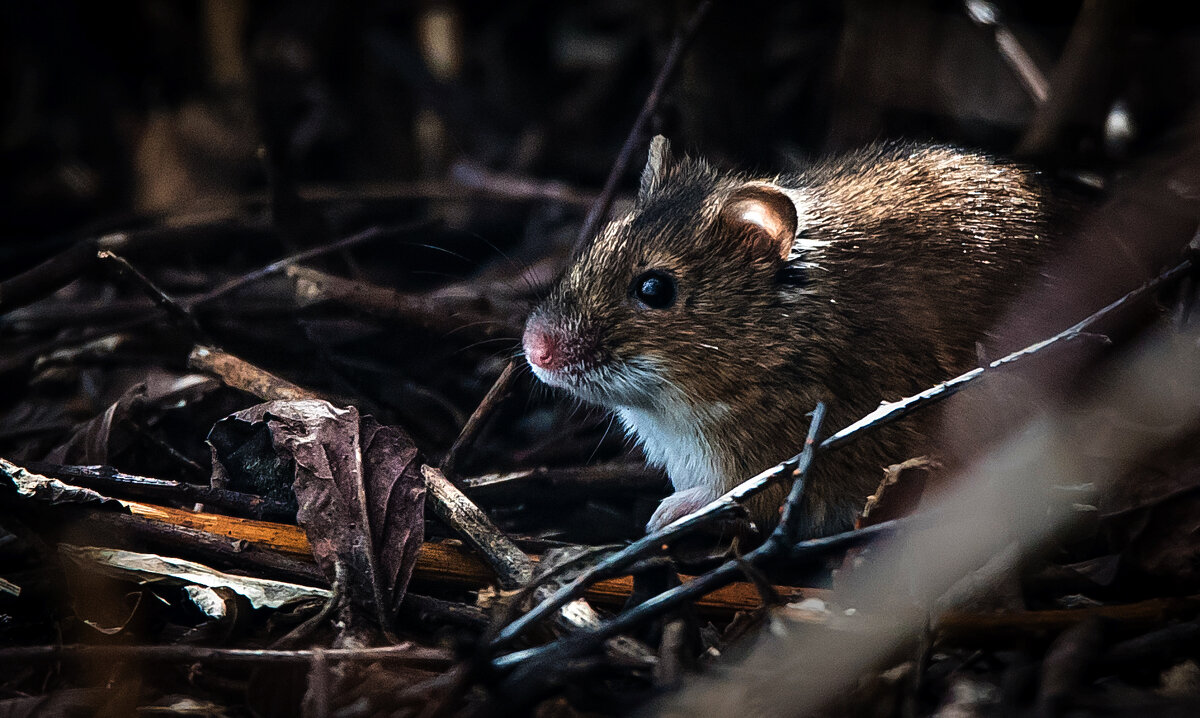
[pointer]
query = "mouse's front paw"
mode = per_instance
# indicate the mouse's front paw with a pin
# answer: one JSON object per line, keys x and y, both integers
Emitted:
{"x": 678, "y": 505}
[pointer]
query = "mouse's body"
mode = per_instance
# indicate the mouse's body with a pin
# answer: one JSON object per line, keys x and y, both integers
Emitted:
{"x": 716, "y": 313}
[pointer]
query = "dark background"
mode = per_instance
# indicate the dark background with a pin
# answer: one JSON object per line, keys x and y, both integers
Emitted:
{"x": 112, "y": 112}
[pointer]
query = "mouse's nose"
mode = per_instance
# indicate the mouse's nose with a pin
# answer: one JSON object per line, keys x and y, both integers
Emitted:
{"x": 543, "y": 346}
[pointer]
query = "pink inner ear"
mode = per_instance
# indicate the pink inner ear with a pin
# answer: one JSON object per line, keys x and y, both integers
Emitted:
{"x": 769, "y": 215}
{"x": 759, "y": 214}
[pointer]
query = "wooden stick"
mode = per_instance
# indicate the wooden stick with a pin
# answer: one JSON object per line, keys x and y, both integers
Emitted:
{"x": 513, "y": 567}
{"x": 470, "y": 431}
{"x": 430, "y": 658}
{"x": 241, "y": 374}
{"x": 441, "y": 562}
{"x": 117, "y": 484}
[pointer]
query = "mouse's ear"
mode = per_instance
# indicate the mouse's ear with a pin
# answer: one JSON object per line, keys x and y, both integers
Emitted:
{"x": 761, "y": 215}
{"x": 658, "y": 164}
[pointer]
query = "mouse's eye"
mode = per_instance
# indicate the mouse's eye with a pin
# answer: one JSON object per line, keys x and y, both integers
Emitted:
{"x": 654, "y": 289}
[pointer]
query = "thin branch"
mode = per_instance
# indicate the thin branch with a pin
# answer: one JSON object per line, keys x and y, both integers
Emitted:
{"x": 430, "y": 658}
{"x": 568, "y": 482}
{"x": 1084, "y": 63}
{"x": 513, "y": 567}
{"x": 282, "y": 264}
{"x": 240, "y": 374}
{"x": 470, "y": 431}
{"x": 173, "y": 309}
{"x": 599, "y": 209}
{"x": 116, "y": 483}
{"x": 67, "y": 266}
{"x": 986, "y": 14}
{"x": 892, "y": 411}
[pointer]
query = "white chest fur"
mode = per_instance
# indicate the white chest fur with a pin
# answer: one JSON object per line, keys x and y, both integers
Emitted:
{"x": 673, "y": 438}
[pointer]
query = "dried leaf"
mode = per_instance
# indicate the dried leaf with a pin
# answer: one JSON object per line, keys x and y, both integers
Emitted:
{"x": 69, "y": 702}
{"x": 150, "y": 568}
{"x": 360, "y": 492}
{"x": 96, "y": 440}
{"x": 36, "y": 486}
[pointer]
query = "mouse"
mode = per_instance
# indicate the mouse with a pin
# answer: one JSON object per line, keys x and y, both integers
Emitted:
{"x": 714, "y": 314}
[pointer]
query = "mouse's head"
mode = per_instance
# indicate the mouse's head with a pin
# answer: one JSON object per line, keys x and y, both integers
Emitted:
{"x": 675, "y": 297}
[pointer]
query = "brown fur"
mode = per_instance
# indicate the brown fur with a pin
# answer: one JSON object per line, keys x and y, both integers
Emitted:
{"x": 907, "y": 254}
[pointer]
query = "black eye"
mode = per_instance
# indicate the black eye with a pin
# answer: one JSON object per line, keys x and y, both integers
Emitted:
{"x": 654, "y": 289}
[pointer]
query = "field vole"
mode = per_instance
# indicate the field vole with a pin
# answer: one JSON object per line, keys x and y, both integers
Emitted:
{"x": 716, "y": 313}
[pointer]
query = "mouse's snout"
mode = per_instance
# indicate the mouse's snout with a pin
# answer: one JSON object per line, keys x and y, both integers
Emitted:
{"x": 542, "y": 345}
{"x": 551, "y": 347}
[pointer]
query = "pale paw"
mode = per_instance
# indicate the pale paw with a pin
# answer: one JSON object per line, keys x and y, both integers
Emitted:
{"x": 678, "y": 505}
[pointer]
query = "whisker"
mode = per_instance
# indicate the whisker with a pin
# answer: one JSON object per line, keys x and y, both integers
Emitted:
{"x": 479, "y": 322}
{"x": 451, "y": 252}
{"x": 513, "y": 264}
{"x": 480, "y": 343}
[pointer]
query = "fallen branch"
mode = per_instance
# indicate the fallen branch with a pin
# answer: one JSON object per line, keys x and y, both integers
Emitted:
{"x": 122, "y": 485}
{"x": 283, "y": 549}
{"x": 240, "y": 374}
{"x": 568, "y": 482}
{"x": 470, "y": 431}
{"x": 512, "y": 566}
{"x": 417, "y": 656}
{"x": 180, "y": 314}
{"x": 280, "y": 265}
{"x": 451, "y": 309}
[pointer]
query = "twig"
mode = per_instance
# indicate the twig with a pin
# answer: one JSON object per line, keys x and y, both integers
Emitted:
{"x": 669, "y": 671}
{"x": 987, "y": 15}
{"x": 451, "y": 309}
{"x": 470, "y": 431}
{"x": 241, "y": 374}
{"x": 142, "y": 532}
{"x": 430, "y": 658}
{"x": 316, "y": 698}
{"x": 508, "y": 186}
{"x": 513, "y": 567}
{"x": 430, "y": 611}
{"x": 109, "y": 480}
{"x": 283, "y": 550}
{"x": 568, "y": 482}
{"x": 1169, "y": 643}
{"x": 1017, "y": 627}
{"x": 891, "y": 411}
{"x": 66, "y": 266}
{"x": 282, "y": 264}
{"x": 173, "y": 309}
{"x": 1082, "y": 64}
{"x": 1067, "y": 665}
{"x": 683, "y": 38}
{"x": 169, "y": 451}
{"x": 727, "y": 505}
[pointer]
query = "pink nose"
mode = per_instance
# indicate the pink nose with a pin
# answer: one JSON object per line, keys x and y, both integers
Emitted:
{"x": 543, "y": 346}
